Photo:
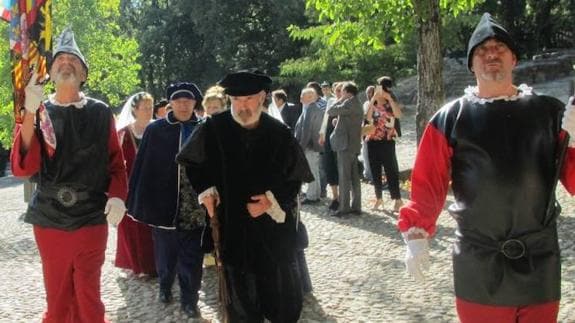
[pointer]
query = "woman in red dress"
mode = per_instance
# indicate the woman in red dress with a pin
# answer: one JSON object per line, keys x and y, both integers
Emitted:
{"x": 135, "y": 249}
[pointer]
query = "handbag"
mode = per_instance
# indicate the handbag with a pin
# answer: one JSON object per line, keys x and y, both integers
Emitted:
{"x": 367, "y": 129}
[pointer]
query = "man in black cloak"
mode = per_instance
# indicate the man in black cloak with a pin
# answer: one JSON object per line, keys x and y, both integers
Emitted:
{"x": 248, "y": 169}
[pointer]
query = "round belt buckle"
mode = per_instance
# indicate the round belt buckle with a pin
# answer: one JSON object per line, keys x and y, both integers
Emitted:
{"x": 513, "y": 249}
{"x": 67, "y": 196}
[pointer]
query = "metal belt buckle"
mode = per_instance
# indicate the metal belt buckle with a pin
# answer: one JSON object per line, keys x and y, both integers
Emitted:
{"x": 513, "y": 249}
{"x": 67, "y": 196}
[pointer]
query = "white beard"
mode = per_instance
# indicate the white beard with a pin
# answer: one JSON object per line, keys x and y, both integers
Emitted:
{"x": 252, "y": 120}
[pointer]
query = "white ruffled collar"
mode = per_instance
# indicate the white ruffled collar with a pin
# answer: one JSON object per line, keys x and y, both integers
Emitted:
{"x": 471, "y": 94}
{"x": 78, "y": 104}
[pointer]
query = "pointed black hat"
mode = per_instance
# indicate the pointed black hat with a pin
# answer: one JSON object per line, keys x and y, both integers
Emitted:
{"x": 65, "y": 43}
{"x": 488, "y": 28}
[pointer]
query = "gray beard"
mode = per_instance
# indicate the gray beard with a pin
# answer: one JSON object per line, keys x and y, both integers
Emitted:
{"x": 244, "y": 124}
{"x": 65, "y": 78}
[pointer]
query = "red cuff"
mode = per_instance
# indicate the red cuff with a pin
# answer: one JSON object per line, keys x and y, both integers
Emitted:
{"x": 25, "y": 164}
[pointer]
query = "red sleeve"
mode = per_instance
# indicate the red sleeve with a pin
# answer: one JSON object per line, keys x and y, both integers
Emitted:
{"x": 429, "y": 182}
{"x": 568, "y": 170}
{"x": 24, "y": 164}
{"x": 116, "y": 167}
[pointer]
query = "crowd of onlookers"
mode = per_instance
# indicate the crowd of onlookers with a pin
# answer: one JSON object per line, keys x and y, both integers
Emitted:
{"x": 364, "y": 139}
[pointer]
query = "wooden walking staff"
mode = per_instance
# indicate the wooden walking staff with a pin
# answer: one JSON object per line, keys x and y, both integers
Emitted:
{"x": 223, "y": 296}
{"x": 30, "y": 44}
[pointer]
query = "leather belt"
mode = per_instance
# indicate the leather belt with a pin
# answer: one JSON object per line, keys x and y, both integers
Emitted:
{"x": 534, "y": 243}
{"x": 66, "y": 195}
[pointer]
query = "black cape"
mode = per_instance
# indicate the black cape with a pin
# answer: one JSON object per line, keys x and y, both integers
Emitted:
{"x": 241, "y": 163}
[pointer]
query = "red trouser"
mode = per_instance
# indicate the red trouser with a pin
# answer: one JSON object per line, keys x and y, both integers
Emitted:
{"x": 72, "y": 263}
{"x": 469, "y": 312}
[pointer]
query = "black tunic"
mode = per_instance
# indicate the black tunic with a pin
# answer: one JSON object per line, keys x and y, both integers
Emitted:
{"x": 502, "y": 177}
{"x": 72, "y": 185}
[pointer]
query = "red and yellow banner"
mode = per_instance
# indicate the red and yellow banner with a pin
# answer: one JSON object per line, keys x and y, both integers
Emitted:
{"x": 30, "y": 43}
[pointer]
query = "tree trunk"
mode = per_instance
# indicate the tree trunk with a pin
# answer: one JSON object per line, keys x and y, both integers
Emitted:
{"x": 430, "y": 93}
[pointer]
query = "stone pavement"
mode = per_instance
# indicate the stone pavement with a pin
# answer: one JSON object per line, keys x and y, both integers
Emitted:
{"x": 355, "y": 263}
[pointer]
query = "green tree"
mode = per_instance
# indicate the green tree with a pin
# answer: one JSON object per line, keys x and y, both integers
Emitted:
{"x": 350, "y": 25}
{"x": 171, "y": 49}
{"x": 6, "y": 108}
{"x": 201, "y": 40}
{"x": 110, "y": 54}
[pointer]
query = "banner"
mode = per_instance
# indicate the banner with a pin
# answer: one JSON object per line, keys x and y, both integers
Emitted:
{"x": 30, "y": 43}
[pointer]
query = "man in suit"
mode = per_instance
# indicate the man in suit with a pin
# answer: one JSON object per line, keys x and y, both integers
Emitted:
{"x": 289, "y": 112}
{"x": 346, "y": 142}
{"x": 307, "y": 134}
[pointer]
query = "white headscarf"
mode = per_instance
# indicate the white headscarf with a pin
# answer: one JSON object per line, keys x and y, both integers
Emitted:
{"x": 126, "y": 116}
{"x": 275, "y": 112}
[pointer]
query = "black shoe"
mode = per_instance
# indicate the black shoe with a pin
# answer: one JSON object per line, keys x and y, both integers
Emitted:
{"x": 308, "y": 201}
{"x": 165, "y": 296}
{"x": 191, "y": 310}
{"x": 334, "y": 205}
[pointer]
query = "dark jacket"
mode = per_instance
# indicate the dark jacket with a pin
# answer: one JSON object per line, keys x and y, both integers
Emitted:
{"x": 154, "y": 184}
{"x": 290, "y": 114}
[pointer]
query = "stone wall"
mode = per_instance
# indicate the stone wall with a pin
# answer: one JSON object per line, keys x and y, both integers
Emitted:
{"x": 543, "y": 68}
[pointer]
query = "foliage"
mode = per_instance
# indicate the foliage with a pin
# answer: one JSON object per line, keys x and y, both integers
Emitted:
{"x": 6, "y": 118}
{"x": 360, "y": 39}
{"x": 535, "y": 25}
{"x": 110, "y": 54}
{"x": 211, "y": 38}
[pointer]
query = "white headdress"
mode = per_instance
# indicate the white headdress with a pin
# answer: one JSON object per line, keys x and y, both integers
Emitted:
{"x": 126, "y": 116}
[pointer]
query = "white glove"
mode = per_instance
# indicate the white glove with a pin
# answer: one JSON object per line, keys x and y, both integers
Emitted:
{"x": 34, "y": 94}
{"x": 114, "y": 210}
{"x": 417, "y": 258}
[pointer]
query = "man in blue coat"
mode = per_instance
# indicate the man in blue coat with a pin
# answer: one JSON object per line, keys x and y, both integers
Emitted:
{"x": 161, "y": 195}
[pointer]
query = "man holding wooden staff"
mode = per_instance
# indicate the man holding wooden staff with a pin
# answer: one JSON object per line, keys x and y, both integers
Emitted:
{"x": 249, "y": 169}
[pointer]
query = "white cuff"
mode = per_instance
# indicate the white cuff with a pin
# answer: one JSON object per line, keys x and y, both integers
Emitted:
{"x": 275, "y": 211}
{"x": 209, "y": 191}
{"x": 414, "y": 230}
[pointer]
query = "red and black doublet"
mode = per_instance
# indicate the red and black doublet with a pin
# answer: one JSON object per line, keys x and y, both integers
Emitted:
{"x": 67, "y": 208}
{"x": 87, "y": 167}
{"x": 500, "y": 155}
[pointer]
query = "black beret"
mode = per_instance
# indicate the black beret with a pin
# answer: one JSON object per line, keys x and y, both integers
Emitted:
{"x": 245, "y": 82}
{"x": 184, "y": 90}
{"x": 488, "y": 28}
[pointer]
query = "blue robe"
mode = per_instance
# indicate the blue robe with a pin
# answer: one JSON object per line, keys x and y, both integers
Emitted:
{"x": 154, "y": 185}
